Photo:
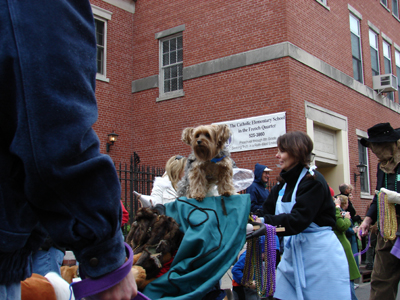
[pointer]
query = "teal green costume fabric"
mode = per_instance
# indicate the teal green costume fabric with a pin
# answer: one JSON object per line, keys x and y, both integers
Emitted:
{"x": 209, "y": 247}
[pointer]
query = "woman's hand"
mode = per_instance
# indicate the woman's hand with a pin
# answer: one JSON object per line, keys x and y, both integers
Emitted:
{"x": 347, "y": 215}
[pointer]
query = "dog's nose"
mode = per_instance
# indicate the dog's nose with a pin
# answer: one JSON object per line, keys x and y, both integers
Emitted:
{"x": 198, "y": 142}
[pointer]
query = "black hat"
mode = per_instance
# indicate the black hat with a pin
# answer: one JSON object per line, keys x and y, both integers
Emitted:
{"x": 381, "y": 133}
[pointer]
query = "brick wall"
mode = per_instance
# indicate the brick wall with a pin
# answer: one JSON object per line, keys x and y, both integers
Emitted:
{"x": 114, "y": 97}
{"x": 216, "y": 29}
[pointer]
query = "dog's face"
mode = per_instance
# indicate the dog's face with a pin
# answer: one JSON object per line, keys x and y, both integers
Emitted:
{"x": 206, "y": 141}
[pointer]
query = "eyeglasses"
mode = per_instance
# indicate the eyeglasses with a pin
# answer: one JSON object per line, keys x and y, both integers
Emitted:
{"x": 178, "y": 157}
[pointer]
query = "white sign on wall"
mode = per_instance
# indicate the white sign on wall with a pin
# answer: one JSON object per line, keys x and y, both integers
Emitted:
{"x": 256, "y": 132}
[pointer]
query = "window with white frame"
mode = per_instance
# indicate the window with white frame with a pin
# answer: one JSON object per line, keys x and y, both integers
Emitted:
{"x": 101, "y": 17}
{"x": 387, "y": 61}
{"x": 397, "y": 56}
{"x": 171, "y": 64}
{"x": 100, "y": 42}
{"x": 384, "y": 2}
{"x": 395, "y": 8}
{"x": 373, "y": 43}
{"x": 363, "y": 159}
{"x": 356, "y": 48}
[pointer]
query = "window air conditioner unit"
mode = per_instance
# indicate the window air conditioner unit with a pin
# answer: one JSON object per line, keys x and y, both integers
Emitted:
{"x": 384, "y": 83}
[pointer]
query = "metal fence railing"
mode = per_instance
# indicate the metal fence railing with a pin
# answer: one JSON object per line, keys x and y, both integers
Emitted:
{"x": 135, "y": 177}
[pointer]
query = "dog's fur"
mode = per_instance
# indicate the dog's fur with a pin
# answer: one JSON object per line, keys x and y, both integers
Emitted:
{"x": 201, "y": 173}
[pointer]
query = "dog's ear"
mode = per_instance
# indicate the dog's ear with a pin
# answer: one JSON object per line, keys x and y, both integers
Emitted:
{"x": 223, "y": 133}
{"x": 187, "y": 135}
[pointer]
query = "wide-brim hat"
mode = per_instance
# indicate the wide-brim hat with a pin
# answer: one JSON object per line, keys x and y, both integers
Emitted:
{"x": 381, "y": 133}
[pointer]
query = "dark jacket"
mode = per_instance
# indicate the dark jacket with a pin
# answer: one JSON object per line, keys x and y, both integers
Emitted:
{"x": 257, "y": 190}
{"x": 313, "y": 203}
{"x": 372, "y": 212}
{"x": 51, "y": 169}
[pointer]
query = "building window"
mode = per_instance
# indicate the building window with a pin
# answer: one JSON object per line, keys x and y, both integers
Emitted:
{"x": 387, "y": 61}
{"x": 373, "y": 43}
{"x": 397, "y": 56}
{"x": 100, "y": 41}
{"x": 384, "y": 2}
{"x": 171, "y": 55}
{"x": 395, "y": 8}
{"x": 356, "y": 48}
{"x": 101, "y": 17}
{"x": 363, "y": 159}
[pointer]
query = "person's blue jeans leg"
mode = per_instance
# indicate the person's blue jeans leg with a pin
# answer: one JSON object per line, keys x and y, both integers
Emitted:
{"x": 10, "y": 291}
{"x": 47, "y": 261}
{"x": 352, "y": 290}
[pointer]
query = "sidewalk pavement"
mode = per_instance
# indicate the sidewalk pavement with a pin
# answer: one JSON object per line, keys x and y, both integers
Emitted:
{"x": 363, "y": 290}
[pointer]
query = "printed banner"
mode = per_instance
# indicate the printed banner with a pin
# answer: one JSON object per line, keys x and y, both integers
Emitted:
{"x": 256, "y": 132}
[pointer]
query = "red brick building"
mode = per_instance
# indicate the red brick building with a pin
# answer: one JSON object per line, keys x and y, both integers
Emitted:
{"x": 176, "y": 64}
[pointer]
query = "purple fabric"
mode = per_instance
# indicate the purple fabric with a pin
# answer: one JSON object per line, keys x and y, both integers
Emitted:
{"x": 396, "y": 248}
{"x": 89, "y": 286}
{"x": 366, "y": 248}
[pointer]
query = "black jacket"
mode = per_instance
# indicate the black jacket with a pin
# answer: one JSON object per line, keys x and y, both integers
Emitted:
{"x": 314, "y": 203}
{"x": 372, "y": 212}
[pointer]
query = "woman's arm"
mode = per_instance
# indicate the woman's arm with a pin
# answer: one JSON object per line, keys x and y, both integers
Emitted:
{"x": 309, "y": 199}
{"x": 270, "y": 204}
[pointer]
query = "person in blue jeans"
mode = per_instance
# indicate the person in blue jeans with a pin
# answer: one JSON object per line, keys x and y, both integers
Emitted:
{"x": 48, "y": 258}
{"x": 52, "y": 174}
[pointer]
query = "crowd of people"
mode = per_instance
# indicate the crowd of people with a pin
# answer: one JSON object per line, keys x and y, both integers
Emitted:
{"x": 306, "y": 206}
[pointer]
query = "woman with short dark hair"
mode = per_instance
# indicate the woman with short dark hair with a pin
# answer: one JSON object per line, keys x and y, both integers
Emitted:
{"x": 313, "y": 265}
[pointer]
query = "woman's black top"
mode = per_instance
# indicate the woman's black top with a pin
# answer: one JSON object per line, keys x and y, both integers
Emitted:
{"x": 314, "y": 202}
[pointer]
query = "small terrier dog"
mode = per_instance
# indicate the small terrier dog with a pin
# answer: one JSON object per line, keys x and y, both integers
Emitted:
{"x": 208, "y": 164}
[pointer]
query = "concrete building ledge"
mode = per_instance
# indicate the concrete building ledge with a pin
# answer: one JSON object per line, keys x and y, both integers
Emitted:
{"x": 285, "y": 49}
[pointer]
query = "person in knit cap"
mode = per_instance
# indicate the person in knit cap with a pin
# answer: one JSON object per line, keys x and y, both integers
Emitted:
{"x": 258, "y": 189}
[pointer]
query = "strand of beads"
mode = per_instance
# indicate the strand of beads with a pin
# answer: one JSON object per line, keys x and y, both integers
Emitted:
{"x": 390, "y": 228}
{"x": 387, "y": 218}
{"x": 270, "y": 259}
{"x": 261, "y": 270}
{"x": 258, "y": 266}
{"x": 381, "y": 212}
{"x": 248, "y": 270}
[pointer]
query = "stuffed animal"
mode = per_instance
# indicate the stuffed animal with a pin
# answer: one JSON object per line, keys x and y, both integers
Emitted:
{"x": 69, "y": 272}
{"x": 49, "y": 287}
{"x": 154, "y": 238}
